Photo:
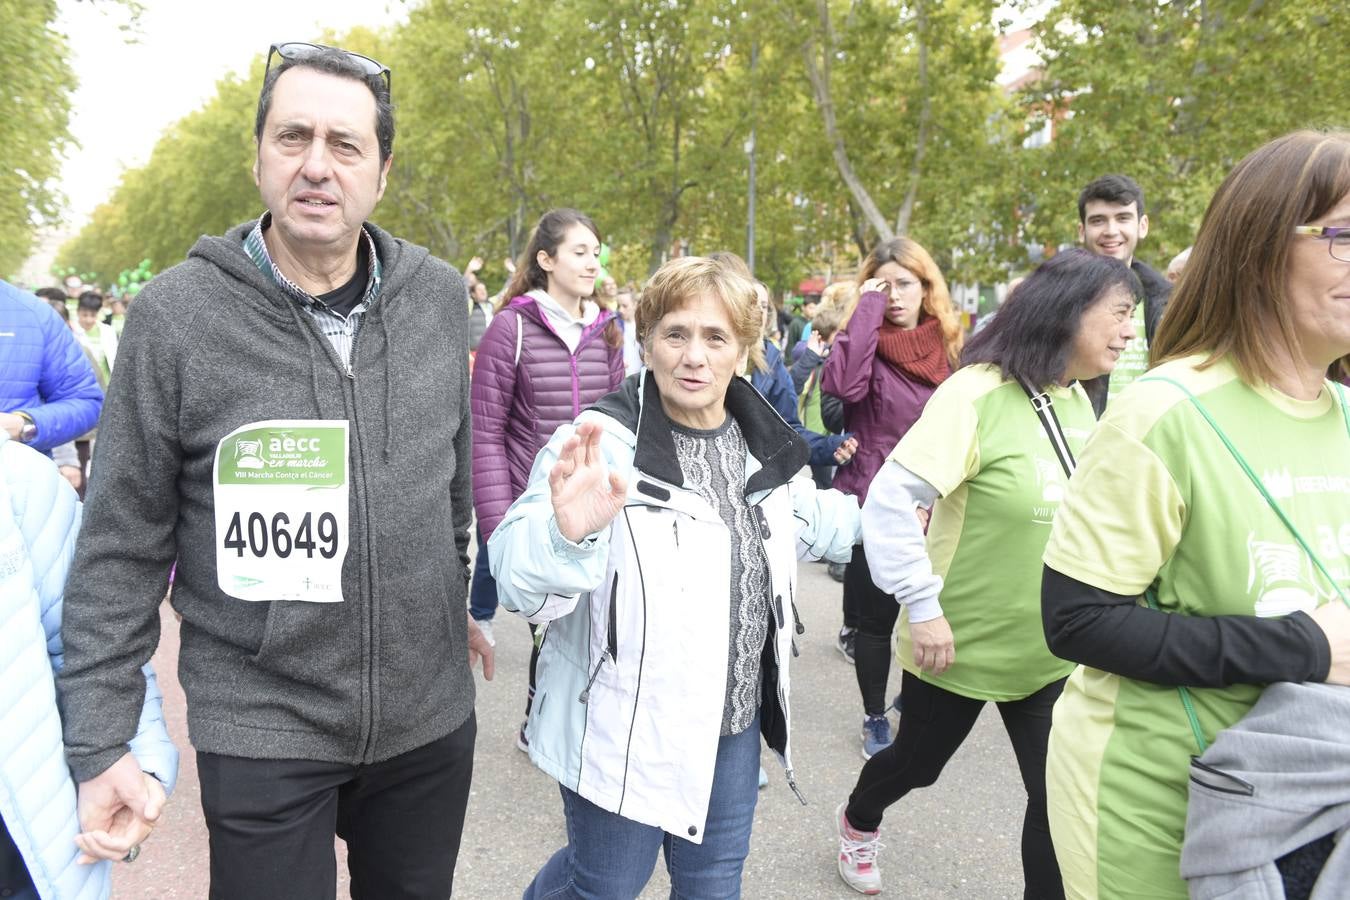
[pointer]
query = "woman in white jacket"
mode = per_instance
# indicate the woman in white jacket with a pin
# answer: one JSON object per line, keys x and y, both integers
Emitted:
{"x": 39, "y": 853}
{"x": 659, "y": 541}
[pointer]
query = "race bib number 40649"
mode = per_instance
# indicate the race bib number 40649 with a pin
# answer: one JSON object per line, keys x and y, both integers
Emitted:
{"x": 281, "y": 510}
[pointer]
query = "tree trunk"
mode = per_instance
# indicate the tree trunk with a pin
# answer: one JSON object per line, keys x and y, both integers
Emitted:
{"x": 902, "y": 218}
{"x": 818, "y": 73}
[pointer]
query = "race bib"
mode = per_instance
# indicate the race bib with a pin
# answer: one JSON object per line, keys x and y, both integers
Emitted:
{"x": 281, "y": 510}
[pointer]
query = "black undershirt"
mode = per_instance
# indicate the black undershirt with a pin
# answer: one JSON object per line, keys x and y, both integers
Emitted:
{"x": 343, "y": 300}
{"x": 1114, "y": 633}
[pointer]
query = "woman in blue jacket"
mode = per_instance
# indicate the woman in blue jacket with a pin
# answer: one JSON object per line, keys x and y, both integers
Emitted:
{"x": 42, "y": 853}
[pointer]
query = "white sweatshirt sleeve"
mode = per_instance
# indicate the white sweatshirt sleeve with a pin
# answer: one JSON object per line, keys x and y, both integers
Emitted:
{"x": 894, "y": 540}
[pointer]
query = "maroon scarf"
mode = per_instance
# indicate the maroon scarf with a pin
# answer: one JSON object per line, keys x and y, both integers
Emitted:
{"x": 919, "y": 353}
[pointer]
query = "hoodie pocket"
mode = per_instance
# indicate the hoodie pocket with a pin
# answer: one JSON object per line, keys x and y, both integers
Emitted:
{"x": 304, "y": 675}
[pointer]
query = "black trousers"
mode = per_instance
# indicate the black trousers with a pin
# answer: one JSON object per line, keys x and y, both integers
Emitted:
{"x": 934, "y": 724}
{"x": 874, "y": 611}
{"x": 271, "y": 823}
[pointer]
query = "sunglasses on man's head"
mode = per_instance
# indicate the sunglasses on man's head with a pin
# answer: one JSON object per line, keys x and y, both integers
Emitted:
{"x": 294, "y": 51}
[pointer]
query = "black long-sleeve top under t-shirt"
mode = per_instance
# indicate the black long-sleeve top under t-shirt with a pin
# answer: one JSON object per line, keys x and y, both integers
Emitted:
{"x": 1115, "y": 633}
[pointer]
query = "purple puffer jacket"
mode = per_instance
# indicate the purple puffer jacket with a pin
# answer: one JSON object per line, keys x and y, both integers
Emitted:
{"x": 516, "y": 408}
{"x": 880, "y": 402}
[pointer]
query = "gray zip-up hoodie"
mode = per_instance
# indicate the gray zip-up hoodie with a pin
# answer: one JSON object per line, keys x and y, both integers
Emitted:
{"x": 211, "y": 345}
{"x": 1274, "y": 782}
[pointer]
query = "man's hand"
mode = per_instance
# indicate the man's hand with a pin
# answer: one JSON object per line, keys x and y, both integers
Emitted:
{"x": 934, "y": 648}
{"x": 474, "y": 264}
{"x": 846, "y": 450}
{"x": 118, "y": 810}
{"x": 510, "y": 265}
{"x": 924, "y": 515}
{"x": 480, "y": 648}
{"x": 13, "y": 424}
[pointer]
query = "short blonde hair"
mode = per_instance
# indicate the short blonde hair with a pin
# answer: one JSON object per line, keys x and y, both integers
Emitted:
{"x": 682, "y": 279}
{"x": 842, "y": 295}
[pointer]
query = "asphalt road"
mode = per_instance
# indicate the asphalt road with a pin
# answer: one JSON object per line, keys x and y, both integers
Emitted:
{"x": 958, "y": 839}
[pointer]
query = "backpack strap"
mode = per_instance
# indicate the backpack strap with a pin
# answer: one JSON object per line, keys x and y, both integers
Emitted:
{"x": 1045, "y": 411}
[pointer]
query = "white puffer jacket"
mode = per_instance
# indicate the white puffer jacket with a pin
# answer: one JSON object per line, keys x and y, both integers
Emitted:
{"x": 39, "y": 519}
{"x": 632, "y": 671}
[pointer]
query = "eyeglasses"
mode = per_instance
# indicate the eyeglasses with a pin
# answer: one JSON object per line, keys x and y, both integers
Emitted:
{"x": 294, "y": 51}
{"x": 1337, "y": 237}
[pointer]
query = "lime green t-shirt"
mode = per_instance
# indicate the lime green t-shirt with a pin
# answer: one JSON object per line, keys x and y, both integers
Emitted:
{"x": 1157, "y": 498}
{"x": 94, "y": 341}
{"x": 980, "y": 443}
{"x": 1133, "y": 363}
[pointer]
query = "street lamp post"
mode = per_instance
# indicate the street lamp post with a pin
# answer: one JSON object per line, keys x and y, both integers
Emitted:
{"x": 750, "y": 226}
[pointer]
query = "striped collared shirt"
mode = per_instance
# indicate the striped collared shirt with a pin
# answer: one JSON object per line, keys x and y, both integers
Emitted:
{"x": 340, "y": 330}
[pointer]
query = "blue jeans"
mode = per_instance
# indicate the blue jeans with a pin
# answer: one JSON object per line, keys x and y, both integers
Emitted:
{"x": 608, "y": 857}
{"x": 483, "y": 589}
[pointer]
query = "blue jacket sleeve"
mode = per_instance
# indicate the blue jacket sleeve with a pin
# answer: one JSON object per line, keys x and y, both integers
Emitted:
{"x": 71, "y": 397}
{"x": 776, "y": 386}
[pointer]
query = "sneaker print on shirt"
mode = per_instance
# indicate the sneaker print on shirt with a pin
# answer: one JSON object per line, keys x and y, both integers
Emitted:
{"x": 1280, "y": 576}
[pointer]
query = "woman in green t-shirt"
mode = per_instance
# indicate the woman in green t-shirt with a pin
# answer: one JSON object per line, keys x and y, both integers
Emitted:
{"x": 1161, "y": 506}
{"x": 995, "y": 444}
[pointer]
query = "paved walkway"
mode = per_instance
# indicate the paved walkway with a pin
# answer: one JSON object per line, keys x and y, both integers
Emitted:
{"x": 958, "y": 839}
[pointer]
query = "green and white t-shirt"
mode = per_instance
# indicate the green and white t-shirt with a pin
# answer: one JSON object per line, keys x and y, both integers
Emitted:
{"x": 1158, "y": 499}
{"x": 1133, "y": 363}
{"x": 980, "y": 443}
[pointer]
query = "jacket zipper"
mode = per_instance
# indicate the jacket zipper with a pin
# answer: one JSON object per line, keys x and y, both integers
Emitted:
{"x": 611, "y": 651}
{"x": 796, "y": 619}
{"x": 776, "y": 609}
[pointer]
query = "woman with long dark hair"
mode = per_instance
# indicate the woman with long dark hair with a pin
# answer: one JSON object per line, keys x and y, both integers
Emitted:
{"x": 991, "y": 455}
{"x": 898, "y": 342}
{"x": 547, "y": 354}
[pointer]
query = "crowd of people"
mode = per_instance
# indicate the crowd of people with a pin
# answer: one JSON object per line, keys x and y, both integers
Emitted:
{"x": 1116, "y": 510}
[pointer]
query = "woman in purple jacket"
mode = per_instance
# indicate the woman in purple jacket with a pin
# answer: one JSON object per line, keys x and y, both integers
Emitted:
{"x": 900, "y": 341}
{"x": 548, "y": 353}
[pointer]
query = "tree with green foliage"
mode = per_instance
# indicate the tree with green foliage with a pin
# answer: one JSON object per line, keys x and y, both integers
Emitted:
{"x": 1174, "y": 94}
{"x": 34, "y": 123}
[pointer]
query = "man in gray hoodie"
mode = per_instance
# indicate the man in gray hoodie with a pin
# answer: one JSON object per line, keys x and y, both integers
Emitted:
{"x": 291, "y": 423}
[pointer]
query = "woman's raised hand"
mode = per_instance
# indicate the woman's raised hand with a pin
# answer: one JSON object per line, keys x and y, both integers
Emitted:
{"x": 586, "y": 497}
{"x": 875, "y": 286}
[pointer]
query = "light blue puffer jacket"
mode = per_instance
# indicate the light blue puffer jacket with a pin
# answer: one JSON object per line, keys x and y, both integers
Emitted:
{"x": 39, "y": 519}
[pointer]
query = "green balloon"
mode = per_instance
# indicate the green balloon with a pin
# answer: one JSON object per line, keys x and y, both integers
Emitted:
{"x": 604, "y": 256}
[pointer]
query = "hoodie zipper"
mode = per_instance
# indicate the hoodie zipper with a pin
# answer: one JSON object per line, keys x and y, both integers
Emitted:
{"x": 368, "y": 726}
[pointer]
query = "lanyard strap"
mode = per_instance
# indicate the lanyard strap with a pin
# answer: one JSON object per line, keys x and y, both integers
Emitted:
{"x": 1151, "y": 595}
{"x": 1260, "y": 485}
{"x": 1045, "y": 411}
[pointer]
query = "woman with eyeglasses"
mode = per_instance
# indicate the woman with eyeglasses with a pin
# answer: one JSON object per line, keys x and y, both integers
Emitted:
{"x": 1201, "y": 556}
{"x": 548, "y": 353}
{"x": 991, "y": 455}
{"x": 897, "y": 344}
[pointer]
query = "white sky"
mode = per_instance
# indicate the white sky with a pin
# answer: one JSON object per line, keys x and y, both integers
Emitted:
{"x": 130, "y": 92}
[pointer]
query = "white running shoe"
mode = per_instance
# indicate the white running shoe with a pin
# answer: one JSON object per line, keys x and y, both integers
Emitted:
{"x": 857, "y": 855}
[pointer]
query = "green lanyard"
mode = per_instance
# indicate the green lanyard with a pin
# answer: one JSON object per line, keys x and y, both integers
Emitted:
{"x": 1151, "y": 595}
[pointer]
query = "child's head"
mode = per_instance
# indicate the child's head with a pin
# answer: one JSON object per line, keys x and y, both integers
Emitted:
{"x": 90, "y": 305}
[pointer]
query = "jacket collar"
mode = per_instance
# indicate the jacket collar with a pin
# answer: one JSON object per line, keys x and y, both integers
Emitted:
{"x": 780, "y": 452}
